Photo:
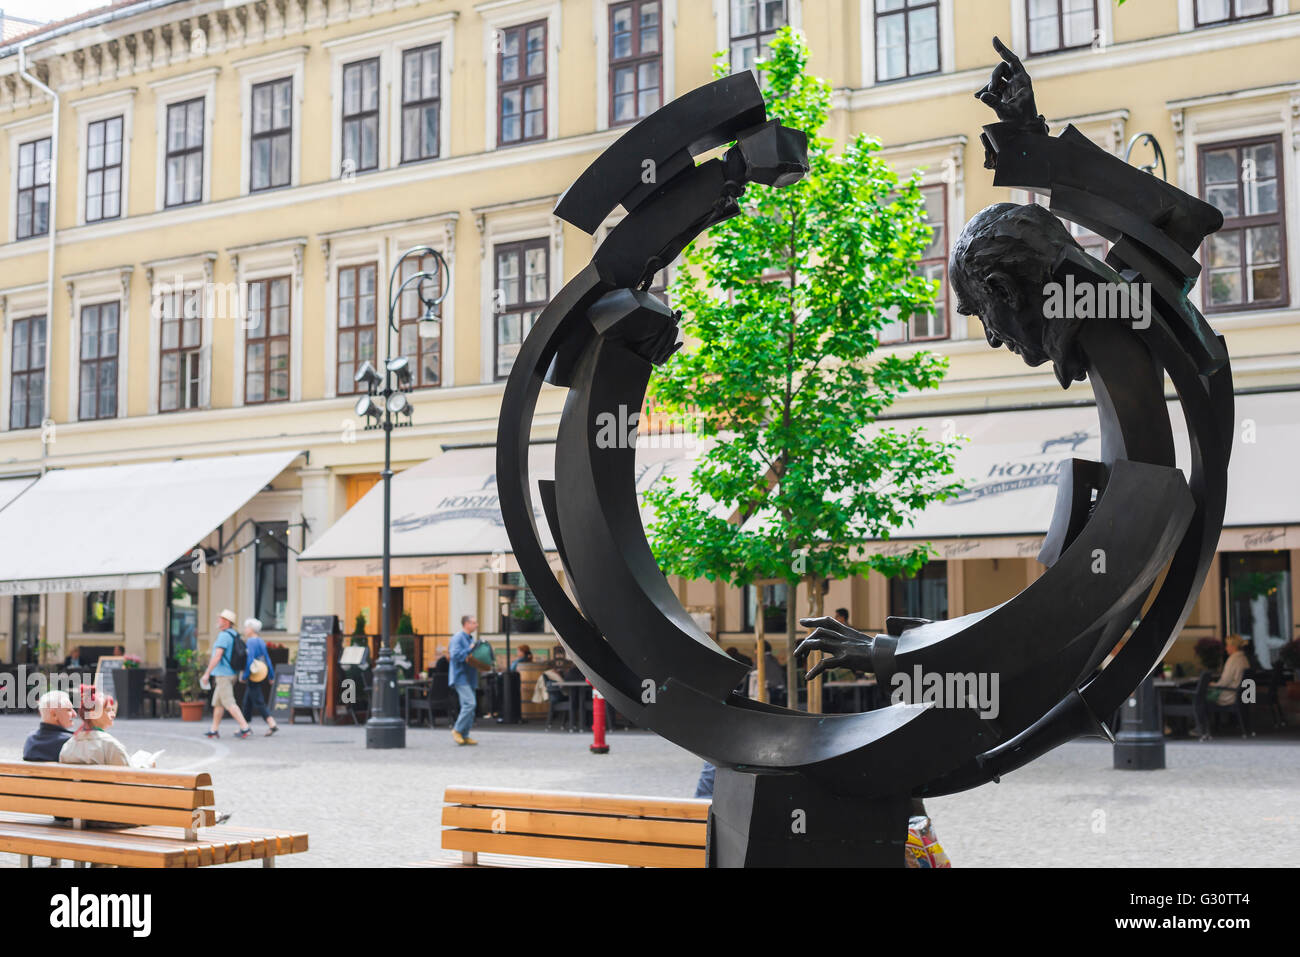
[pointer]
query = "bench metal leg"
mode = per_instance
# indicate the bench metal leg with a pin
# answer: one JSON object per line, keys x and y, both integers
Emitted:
{"x": 469, "y": 857}
{"x": 268, "y": 862}
{"x": 24, "y": 860}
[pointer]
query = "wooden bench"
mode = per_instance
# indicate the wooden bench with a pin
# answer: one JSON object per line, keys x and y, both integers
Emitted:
{"x": 546, "y": 826}
{"x": 163, "y": 812}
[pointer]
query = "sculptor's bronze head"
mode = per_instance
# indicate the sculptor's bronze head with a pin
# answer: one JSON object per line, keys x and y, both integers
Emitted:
{"x": 1001, "y": 264}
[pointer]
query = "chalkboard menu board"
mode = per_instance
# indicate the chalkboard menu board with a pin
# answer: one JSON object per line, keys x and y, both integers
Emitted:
{"x": 311, "y": 667}
{"x": 282, "y": 693}
{"x": 104, "y": 676}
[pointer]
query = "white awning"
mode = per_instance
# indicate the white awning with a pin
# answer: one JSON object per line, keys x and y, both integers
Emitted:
{"x": 446, "y": 516}
{"x": 121, "y": 526}
{"x": 11, "y": 488}
{"x": 1011, "y": 461}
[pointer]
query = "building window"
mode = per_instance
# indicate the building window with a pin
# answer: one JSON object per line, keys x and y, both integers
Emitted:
{"x": 1061, "y": 24}
{"x": 272, "y": 591}
{"x": 932, "y": 324}
{"x": 27, "y": 373}
{"x": 184, "y": 163}
{"x": 272, "y": 134}
{"x": 361, "y": 116}
{"x": 774, "y": 604}
{"x": 182, "y": 609}
{"x": 521, "y": 84}
{"x": 907, "y": 38}
{"x": 266, "y": 346}
{"x": 104, "y": 169}
{"x": 522, "y": 286}
{"x": 100, "y": 611}
{"x": 357, "y": 324}
{"x": 425, "y": 354}
{"x": 924, "y": 596}
{"x": 34, "y": 188}
{"x": 180, "y": 372}
{"x": 98, "y": 374}
{"x": 1257, "y": 586}
{"x": 26, "y": 634}
{"x": 753, "y": 23}
{"x": 1213, "y": 12}
{"x": 635, "y": 67}
{"x": 1246, "y": 259}
{"x": 421, "y": 101}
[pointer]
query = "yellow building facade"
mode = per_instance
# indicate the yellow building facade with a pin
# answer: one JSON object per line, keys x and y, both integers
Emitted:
{"x": 203, "y": 201}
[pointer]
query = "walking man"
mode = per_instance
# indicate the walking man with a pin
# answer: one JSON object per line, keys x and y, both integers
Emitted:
{"x": 464, "y": 678}
{"x": 228, "y": 654}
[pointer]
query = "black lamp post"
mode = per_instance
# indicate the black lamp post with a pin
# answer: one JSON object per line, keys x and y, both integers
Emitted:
{"x": 384, "y": 406}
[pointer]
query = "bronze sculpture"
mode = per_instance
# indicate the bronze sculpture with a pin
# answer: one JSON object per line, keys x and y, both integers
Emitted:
{"x": 800, "y": 789}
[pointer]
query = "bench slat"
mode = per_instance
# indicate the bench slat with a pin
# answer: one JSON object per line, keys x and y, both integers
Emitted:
{"x": 690, "y": 809}
{"x": 137, "y": 795}
{"x": 635, "y": 830}
{"x": 43, "y": 841}
{"x": 98, "y": 772}
{"x": 114, "y": 813}
{"x": 633, "y": 855}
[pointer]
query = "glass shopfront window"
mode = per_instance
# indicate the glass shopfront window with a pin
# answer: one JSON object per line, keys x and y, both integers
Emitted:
{"x": 774, "y": 605}
{"x": 272, "y": 598}
{"x": 101, "y": 612}
{"x": 182, "y": 610}
{"x": 925, "y": 596}
{"x": 1257, "y": 596}
{"x": 26, "y": 633}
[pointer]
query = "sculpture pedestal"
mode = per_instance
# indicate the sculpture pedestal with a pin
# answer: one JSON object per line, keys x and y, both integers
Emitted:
{"x": 1140, "y": 741}
{"x": 788, "y": 820}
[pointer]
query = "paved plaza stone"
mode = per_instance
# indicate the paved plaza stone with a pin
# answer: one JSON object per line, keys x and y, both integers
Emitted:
{"x": 1221, "y": 803}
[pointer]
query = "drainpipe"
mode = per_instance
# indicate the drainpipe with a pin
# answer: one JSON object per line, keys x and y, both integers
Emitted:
{"x": 49, "y": 280}
{"x": 49, "y": 277}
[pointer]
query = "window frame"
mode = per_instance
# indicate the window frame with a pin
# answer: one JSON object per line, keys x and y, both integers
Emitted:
{"x": 758, "y": 36}
{"x": 906, "y": 11}
{"x": 169, "y": 153}
{"x": 97, "y": 310}
{"x": 267, "y": 338}
{"x": 105, "y": 167}
{"x": 272, "y": 134}
{"x": 27, "y": 374}
{"x": 1061, "y": 46}
{"x": 362, "y": 114}
{"x": 186, "y": 354}
{"x": 111, "y": 619}
{"x": 355, "y": 329}
{"x": 421, "y": 104}
{"x": 942, "y": 298}
{"x": 522, "y": 82}
{"x": 522, "y": 246}
{"x": 33, "y": 189}
{"x": 1232, "y": 17}
{"x": 634, "y": 61}
{"x": 1243, "y": 223}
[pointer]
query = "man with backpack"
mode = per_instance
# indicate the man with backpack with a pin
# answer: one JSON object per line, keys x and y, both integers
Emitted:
{"x": 229, "y": 658}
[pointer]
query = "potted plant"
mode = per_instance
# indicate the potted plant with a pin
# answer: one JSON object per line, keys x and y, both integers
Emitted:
{"x": 187, "y": 679}
{"x": 359, "y": 630}
{"x": 278, "y": 653}
{"x": 405, "y": 641}
{"x": 1209, "y": 652}
{"x": 526, "y": 619}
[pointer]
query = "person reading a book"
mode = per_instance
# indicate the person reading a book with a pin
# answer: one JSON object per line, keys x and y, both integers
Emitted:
{"x": 91, "y": 743}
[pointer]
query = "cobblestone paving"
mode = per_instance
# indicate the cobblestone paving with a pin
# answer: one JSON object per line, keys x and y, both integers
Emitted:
{"x": 1220, "y": 803}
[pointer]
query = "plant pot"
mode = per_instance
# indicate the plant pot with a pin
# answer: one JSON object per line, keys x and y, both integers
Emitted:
{"x": 192, "y": 710}
{"x": 526, "y": 626}
{"x": 129, "y": 683}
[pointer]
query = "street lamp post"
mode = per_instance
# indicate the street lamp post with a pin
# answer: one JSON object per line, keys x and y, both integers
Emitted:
{"x": 385, "y": 727}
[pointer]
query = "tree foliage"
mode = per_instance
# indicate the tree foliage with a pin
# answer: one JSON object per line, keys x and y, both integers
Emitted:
{"x": 783, "y": 308}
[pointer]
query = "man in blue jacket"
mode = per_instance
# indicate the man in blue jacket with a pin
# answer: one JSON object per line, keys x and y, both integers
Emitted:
{"x": 463, "y": 678}
{"x": 57, "y": 714}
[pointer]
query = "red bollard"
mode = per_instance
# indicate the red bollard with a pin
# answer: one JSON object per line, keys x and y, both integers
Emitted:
{"x": 598, "y": 745}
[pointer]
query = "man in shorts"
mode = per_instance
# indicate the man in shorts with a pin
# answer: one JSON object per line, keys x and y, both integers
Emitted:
{"x": 221, "y": 670}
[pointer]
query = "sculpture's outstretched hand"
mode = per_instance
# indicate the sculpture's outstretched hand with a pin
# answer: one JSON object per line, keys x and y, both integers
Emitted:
{"x": 1010, "y": 92}
{"x": 845, "y": 647}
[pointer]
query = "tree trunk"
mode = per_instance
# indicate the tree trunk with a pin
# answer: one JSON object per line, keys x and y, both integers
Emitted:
{"x": 815, "y": 610}
{"x": 791, "y": 672}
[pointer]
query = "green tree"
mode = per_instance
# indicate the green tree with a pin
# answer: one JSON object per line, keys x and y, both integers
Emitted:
{"x": 779, "y": 373}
